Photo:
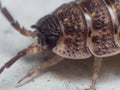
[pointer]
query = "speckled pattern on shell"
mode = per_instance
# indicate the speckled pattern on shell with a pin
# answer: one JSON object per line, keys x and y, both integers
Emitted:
{"x": 80, "y": 40}
{"x": 101, "y": 42}
{"x": 116, "y": 7}
{"x": 74, "y": 33}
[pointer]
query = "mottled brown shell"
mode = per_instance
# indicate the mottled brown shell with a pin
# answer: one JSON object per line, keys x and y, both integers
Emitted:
{"x": 73, "y": 39}
{"x": 89, "y": 28}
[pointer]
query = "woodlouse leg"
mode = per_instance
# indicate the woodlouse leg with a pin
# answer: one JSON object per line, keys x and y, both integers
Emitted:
{"x": 96, "y": 70}
{"x": 32, "y": 49}
{"x": 53, "y": 61}
{"x": 15, "y": 24}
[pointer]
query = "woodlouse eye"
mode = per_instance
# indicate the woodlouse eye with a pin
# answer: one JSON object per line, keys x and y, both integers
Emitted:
{"x": 51, "y": 39}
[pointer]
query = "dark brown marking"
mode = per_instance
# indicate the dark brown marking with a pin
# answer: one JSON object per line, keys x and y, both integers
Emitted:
{"x": 89, "y": 33}
{"x": 96, "y": 39}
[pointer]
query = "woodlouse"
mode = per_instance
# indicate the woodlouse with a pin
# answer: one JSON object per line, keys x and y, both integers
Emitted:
{"x": 76, "y": 30}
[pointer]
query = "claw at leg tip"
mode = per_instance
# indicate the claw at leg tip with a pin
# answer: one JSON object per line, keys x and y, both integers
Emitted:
{"x": 21, "y": 80}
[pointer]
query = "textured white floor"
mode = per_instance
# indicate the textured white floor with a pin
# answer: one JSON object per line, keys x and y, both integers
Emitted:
{"x": 67, "y": 75}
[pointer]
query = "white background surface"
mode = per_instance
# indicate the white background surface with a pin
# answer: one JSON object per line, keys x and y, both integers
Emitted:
{"x": 67, "y": 75}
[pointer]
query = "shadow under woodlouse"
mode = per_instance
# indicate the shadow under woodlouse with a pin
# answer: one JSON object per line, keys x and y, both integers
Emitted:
{"x": 76, "y": 70}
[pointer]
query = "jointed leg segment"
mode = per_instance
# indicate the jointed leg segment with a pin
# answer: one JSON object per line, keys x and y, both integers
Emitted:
{"x": 56, "y": 59}
{"x": 96, "y": 70}
{"x": 32, "y": 49}
{"x": 15, "y": 24}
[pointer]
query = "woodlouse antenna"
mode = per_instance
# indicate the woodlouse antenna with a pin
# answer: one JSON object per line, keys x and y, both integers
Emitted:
{"x": 15, "y": 24}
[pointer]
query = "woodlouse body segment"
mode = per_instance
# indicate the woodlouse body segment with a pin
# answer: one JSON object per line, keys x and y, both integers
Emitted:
{"x": 115, "y": 5}
{"x": 102, "y": 42}
{"x": 89, "y": 28}
{"x": 74, "y": 33}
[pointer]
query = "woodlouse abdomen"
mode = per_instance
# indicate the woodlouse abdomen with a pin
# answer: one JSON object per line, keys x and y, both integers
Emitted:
{"x": 91, "y": 27}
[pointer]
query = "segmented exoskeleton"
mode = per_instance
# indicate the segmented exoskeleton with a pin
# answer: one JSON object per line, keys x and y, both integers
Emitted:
{"x": 76, "y": 30}
{"x": 89, "y": 27}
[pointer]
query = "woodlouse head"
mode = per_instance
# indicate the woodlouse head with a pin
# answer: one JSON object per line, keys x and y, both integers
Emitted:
{"x": 48, "y": 29}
